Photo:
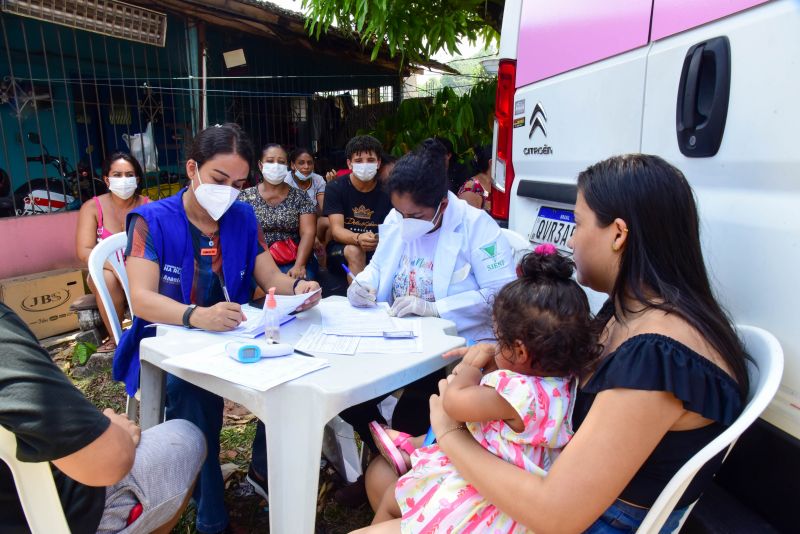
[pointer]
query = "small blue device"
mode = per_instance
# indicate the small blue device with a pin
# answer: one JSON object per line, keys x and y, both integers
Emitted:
{"x": 243, "y": 352}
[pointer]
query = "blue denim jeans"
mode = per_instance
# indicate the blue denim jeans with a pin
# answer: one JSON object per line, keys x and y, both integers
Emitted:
{"x": 622, "y": 517}
{"x": 204, "y": 409}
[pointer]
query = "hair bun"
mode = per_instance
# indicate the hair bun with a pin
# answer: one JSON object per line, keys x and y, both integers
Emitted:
{"x": 545, "y": 264}
{"x": 433, "y": 147}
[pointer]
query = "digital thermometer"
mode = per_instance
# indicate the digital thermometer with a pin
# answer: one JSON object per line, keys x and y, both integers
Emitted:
{"x": 253, "y": 352}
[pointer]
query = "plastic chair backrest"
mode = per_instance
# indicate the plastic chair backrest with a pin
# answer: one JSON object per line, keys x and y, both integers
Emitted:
{"x": 519, "y": 244}
{"x": 36, "y": 489}
{"x": 765, "y": 370}
{"x": 111, "y": 250}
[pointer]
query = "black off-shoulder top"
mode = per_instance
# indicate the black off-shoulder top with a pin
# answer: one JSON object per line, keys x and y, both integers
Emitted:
{"x": 653, "y": 362}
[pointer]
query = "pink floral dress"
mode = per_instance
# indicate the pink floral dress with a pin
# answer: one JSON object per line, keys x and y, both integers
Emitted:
{"x": 432, "y": 495}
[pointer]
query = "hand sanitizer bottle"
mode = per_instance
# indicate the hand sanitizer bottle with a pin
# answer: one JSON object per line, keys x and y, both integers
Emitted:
{"x": 272, "y": 321}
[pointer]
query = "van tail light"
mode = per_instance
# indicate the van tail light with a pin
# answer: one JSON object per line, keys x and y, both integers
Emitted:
{"x": 503, "y": 170}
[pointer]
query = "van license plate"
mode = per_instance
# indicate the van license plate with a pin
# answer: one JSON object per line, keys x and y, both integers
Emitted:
{"x": 554, "y": 226}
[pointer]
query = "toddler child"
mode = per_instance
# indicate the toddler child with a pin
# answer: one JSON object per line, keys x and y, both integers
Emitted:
{"x": 519, "y": 411}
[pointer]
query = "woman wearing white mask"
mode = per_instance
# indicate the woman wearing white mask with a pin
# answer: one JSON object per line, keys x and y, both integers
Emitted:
{"x": 190, "y": 261}
{"x": 103, "y": 216}
{"x": 286, "y": 215}
{"x": 302, "y": 177}
{"x": 437, "y": 256}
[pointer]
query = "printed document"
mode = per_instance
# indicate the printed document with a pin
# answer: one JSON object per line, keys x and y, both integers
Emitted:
{"x": 343, "y": 319}
{"x": 261, "y": 375}
{"x": 314, "y": 341}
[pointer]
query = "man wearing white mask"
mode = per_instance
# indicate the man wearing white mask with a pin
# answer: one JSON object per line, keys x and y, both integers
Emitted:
{"x": 355, "y": 205}
{"x": 437, "y": 257}
{"x": 104, "y": 215}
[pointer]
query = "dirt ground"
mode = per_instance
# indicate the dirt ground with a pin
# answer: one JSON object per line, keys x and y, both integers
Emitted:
{"x": 247, "y": 510}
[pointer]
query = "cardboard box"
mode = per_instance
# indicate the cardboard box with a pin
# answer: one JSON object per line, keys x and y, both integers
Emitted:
{"x": 42, "y": 300}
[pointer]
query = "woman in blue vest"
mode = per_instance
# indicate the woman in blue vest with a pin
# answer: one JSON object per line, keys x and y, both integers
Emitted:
{"x": 184, "y": 253}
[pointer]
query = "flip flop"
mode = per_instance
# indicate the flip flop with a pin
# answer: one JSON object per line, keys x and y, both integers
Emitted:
{"x": 390, "y": 449}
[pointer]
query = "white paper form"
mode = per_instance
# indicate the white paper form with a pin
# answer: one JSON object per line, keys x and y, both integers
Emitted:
{"x": 341, "y": 318}
{"x": 314, "y": 341}
{"x": 253, "y": 326}
{"x": 261, "y": 375}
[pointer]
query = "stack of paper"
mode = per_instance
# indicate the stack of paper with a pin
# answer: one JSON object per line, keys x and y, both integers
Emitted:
{"x": 261, "y": 375}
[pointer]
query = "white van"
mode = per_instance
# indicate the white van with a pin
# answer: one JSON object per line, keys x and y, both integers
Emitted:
{"x": 713, "y": 86}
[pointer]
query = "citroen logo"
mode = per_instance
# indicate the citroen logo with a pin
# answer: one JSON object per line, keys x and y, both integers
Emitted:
{"x": 538, "y": 119}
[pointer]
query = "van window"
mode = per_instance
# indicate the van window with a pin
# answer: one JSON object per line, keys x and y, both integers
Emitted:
{"x": 674, "y": 16}
{"x": 557, "y": 36}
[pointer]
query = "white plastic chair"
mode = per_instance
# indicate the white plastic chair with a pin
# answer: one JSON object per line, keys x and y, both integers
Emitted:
{"x": 519, "y": 244}
{"x": 765, "y": 372}
{"x": 112, "y": 250}
{"x": 36, "y": 489}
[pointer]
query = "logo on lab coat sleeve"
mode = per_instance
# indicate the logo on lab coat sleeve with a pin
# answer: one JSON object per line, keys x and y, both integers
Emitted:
{"x": 490, "y": 252}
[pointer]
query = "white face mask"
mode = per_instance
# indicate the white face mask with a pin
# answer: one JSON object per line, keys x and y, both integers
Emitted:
{"x": 412, "y": 229}
{"x": 215, "y": 198}
{"x": 302, "y": 177}
{"x": 274, "y": 173}
{"x": 122, "y": 186}
{"x": 365, "y": 171}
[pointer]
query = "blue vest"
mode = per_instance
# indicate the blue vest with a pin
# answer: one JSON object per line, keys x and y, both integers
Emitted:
{"x": 172, "y": 240}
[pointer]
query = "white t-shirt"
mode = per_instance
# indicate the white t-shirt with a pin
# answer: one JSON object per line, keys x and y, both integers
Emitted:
{"x": 415, "y": 275}
{"x": 317, "y": 185}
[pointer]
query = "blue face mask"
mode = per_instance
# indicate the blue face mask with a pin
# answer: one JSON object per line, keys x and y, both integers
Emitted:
{"x": 302, "y": 177}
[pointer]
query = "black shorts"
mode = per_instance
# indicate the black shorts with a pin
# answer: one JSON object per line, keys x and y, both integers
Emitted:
{"x": 335, "y": 253}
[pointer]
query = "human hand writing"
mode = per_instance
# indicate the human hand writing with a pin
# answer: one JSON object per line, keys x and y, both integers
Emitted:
{"x": 361, "y": 295}
{"x": 126, "y": 424}
{"x": 221, "y": 317}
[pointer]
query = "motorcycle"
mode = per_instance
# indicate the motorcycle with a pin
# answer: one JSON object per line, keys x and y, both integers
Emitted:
{"x": 66, "y": 192}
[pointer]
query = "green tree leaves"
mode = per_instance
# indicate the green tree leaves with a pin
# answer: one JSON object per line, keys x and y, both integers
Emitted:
{"x": 414, "y": 29}
{"x": 465, "y": 120}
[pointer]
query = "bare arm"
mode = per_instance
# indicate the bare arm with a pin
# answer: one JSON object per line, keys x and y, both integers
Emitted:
{"x": 339, "y": 233}
{"x": 86, "y": 234}
{"x": 308, "y": 230}
{"x": 467, "y": 400}
{"x": 320, "y": 203}
{"x": 106, "y": 460}
{"x": 621, "y": 430}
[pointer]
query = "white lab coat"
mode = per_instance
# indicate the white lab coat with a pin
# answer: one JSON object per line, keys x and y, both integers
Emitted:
{"x": 473, "y": 260}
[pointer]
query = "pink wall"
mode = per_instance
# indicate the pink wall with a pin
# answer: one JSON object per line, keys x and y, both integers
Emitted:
{"x": 674, "y": 16}
{"x": 557, "y": 36}
{"x": 37, "y": 243}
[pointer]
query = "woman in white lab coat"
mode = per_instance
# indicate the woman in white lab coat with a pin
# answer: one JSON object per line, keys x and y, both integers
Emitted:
{"x": 437, "y": 256}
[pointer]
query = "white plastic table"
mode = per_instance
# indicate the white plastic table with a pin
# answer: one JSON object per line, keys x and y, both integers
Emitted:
{"x": 296, "y": 412}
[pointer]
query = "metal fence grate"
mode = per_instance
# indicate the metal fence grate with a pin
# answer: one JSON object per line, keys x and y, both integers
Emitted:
{"x": 106, "y": 17}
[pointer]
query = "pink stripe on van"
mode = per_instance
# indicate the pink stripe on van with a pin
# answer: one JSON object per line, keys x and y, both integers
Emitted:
{"x": 557, "y": 36}
{"x": 674, "y": 16}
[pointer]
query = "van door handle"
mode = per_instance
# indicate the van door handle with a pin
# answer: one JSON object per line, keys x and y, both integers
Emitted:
{"x": 703, "y": 95}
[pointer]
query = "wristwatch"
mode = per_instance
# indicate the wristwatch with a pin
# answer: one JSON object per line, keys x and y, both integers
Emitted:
{"x": 187, "y": 314}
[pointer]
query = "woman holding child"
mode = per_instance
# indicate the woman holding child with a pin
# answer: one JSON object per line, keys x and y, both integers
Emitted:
{"x": 669, "y": 378}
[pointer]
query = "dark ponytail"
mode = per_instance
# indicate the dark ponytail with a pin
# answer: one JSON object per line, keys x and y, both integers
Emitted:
{"x": 219, "y": 139}
{"x": 549, "y": 313}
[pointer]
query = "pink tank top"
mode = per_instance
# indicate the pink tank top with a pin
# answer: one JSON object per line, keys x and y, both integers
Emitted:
{"x": 102, "y": 233}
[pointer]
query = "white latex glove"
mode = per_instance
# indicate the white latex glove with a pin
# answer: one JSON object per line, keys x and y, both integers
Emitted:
{"x": 361, "y": 296}
{"x": 409, "y": 305}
